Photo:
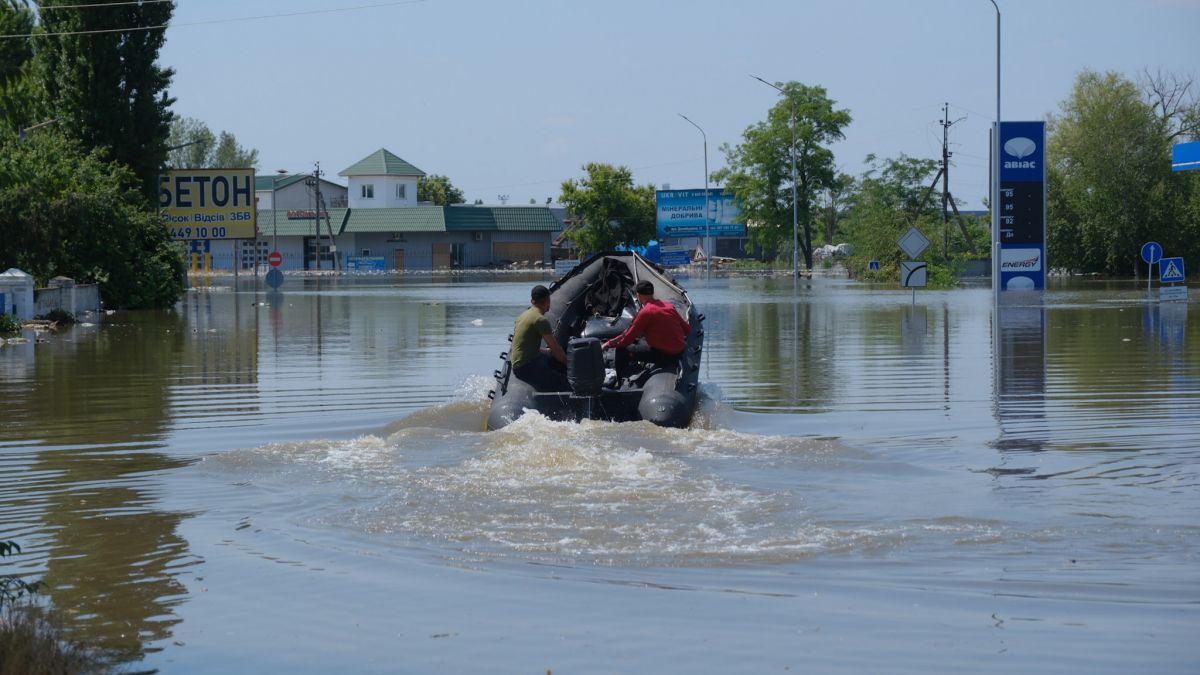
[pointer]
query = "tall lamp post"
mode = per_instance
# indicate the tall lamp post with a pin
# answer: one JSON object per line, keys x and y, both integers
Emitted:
{"x": 795, "y": 204}
{"x": 708, "y": 247}
{"x": 996, "y": 171}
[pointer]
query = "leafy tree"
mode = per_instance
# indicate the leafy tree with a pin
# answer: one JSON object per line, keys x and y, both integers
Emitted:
{"x": 439, "y": 190}
{"x": 191, "y": 144}
{"x": 194, "y": 146}
{"x": 759, "y": 169}
{"x": 888, "y": 202}
{"x": 73, "y": 213}
{"x": 230, "y": 155}
{"x": 106, "y": 88}
{"x": 19, "y": 100}
{"x": 1110, "y": 184}
{"x": 835, "y": 203}
{"x": 614, "y": 211}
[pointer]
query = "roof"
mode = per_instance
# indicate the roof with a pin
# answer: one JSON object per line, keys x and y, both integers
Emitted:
{"x": 264, "y": 183}
{"x": 382, "y": 163}
{"x": 399, "y": 219}
{"x": 537, "y": 218}
{"x": 299, "y": 226}
{"x": 417, "y": 219}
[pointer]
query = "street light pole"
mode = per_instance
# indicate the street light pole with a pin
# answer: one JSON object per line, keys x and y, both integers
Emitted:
{"x": 795, "y": 204}
{"x": 996, "y": 171}
{"x": 708, "y": 246}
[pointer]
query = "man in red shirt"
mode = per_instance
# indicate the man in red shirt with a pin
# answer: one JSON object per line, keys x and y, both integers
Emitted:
{"x": 659, "y": 322}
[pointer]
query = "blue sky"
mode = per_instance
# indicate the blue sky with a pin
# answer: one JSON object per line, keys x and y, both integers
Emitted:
{"x": 511, "y": 98}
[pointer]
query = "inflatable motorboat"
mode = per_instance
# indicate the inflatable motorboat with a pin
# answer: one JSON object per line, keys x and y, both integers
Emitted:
{"x": 591, "y": 304}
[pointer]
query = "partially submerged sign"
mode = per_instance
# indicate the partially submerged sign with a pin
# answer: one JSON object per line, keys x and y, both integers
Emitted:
{"x": 208, "y": 203}
{"x": 913, "y": 274}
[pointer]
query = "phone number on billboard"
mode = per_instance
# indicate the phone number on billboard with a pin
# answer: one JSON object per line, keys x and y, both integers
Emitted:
{"x": 198, "y": 232}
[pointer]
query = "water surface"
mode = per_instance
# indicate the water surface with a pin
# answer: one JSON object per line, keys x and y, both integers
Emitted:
{"x": 300, "y": 481}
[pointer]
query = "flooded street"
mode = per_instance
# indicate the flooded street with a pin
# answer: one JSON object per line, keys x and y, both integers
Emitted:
{"x": 299, "y": 482}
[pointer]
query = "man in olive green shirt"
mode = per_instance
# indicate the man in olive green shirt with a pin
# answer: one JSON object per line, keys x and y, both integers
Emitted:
{"x": 529, "y": 362}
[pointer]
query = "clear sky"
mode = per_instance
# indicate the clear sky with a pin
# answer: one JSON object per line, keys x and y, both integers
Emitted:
{"x": 511, "y": 98}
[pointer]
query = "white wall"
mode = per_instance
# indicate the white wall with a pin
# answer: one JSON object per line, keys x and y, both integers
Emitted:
{"x": 384, "y": 190}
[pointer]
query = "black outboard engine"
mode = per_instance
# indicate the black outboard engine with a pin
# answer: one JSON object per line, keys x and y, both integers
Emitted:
{"x": 585, "y": 366}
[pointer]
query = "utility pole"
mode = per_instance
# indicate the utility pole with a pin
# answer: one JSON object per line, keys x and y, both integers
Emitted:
{"x": 943, "y": 174}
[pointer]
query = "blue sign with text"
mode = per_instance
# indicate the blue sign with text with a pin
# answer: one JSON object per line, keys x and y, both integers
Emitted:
{"x": 1022, "y": 206}
{"x": 680, "y": 213}
{"x": 1185, "y": 156}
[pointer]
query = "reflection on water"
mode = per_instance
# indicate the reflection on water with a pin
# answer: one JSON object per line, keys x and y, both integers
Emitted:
{"x": 1047, "y": 455}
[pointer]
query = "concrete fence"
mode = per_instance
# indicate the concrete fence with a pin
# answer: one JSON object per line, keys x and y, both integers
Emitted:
{"x": 63, "y": 293}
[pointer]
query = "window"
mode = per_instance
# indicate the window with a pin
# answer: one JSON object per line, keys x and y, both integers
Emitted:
{"x": 366, "y": 253}
{"x": 401, "y": 191}
{"x": 368, "y": 191}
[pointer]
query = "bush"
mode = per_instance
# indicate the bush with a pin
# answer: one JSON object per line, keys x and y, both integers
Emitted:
{"x": 32, "y": 642}
{"x": 8, "y": 324}
{"x": 60, "y": 316}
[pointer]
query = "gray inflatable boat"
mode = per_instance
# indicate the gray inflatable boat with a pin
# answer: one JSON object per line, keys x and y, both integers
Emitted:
{"x": 589, "y": 305}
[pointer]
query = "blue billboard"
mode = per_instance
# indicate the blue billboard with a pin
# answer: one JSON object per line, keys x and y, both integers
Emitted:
{"x": 1022, "y": 203}
{"x": 681, "y": 214}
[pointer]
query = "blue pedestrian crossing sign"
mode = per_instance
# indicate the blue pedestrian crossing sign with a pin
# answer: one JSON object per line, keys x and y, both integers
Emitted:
{"x": 1151, "y": 252}
{"x": 873, "y": 265}
{"x": 1170, "y": 270}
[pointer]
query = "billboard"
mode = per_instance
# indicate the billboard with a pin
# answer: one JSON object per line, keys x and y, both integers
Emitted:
{"x": 1022, "y": 203}
{"x": 680, "y": 213}
{"x": 207, "y": 203}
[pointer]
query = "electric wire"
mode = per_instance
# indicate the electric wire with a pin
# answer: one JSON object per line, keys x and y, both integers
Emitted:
{"x": 209, "y": 22}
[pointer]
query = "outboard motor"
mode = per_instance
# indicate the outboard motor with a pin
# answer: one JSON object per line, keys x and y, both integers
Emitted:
{"x": 585, "y": 366}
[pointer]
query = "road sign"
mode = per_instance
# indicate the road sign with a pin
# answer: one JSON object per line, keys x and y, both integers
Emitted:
{"x": 1168, "y": 293}
{"x": 275, "y": 258}
{"x": 873, "y": 265}
{"x": 1170, "y": 270}
{"x": 1185, "y": 156}
{"x": 913, "y": 242}
{"x": 1151, "y": 252}
{"x": 274, "y": 278}
{"x": 912, "y": 274}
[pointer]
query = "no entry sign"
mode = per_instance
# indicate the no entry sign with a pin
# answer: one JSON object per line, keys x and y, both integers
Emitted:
{"x": 275, "y": 258}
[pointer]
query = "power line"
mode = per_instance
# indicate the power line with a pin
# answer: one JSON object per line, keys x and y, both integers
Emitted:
{"x": 40, "y": 8}
{"x": 213, "y": 21}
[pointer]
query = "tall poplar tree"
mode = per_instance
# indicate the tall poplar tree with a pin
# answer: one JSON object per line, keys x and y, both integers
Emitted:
{"x": 99, "y": 68}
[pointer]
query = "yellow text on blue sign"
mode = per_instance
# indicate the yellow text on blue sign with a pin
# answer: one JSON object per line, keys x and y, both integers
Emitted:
{"x": 208, "y": 203}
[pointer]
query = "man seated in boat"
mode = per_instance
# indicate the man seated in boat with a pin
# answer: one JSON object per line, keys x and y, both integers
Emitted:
{"x": 543, "y": 369}
{"x": 659, "y": 322}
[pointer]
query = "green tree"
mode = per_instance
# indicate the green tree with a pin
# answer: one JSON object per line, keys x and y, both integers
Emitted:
{"x": 890, "y": 199}
{"x": 191, "y": 144}
{"x": 438, "y": 190}
{"x": 71, "y": 212}
{"x": 1109, "y": 180}
{"x": 231, "y": 155}
{"x": 105, "y": 85}
{"x": 835, "y": 203}
{"x": 19, "y": 99}
{"x": 613, "y": 210}
{"x": 759, "y": 169}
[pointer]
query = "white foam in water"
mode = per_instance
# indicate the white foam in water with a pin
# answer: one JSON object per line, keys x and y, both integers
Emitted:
{"x": 593, "y": 491}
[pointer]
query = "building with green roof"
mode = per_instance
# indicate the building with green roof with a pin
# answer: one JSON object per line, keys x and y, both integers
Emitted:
{"x": 376, "y": 222}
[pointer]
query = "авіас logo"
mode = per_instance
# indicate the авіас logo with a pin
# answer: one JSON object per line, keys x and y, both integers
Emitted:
{"x": 1020, "y": 147}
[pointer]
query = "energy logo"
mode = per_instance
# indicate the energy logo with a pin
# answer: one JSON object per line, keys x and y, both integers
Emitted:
{"x": 1021, "y": 260}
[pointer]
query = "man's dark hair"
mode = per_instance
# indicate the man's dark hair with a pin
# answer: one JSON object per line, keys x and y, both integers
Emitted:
{"x": 539, "y": 293}
{"x": 644, "y": 287}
